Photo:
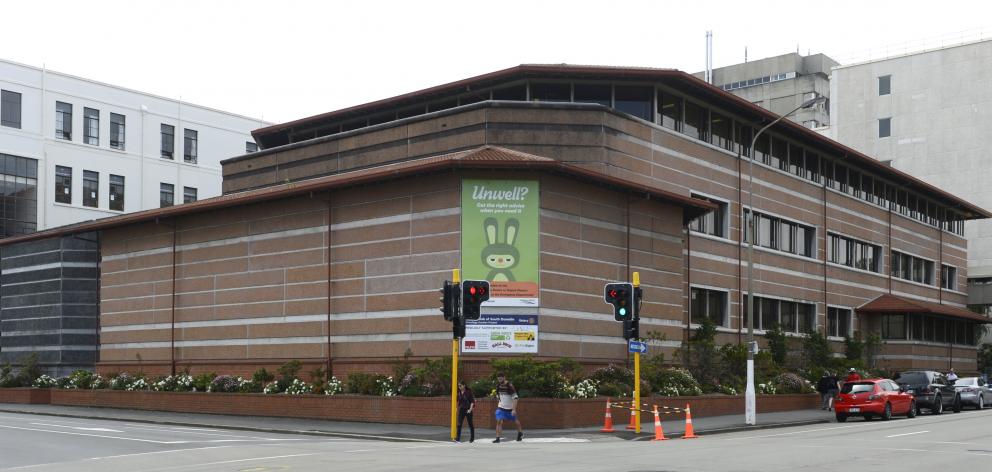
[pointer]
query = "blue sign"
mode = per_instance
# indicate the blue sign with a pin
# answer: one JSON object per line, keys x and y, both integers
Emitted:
{"x": 635, "y": 346}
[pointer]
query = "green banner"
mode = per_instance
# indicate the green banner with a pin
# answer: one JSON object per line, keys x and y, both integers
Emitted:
{"x": 500, "y": 239}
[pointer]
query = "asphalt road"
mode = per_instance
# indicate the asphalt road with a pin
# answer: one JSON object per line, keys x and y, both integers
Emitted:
{"x": 35, "y": 442}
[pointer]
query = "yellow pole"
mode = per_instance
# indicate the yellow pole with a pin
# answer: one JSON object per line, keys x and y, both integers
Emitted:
{"x": 456, "y": 279}
{"x": 637, "y": 369}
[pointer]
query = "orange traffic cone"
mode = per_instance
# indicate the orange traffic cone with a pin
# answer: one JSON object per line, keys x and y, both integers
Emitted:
{"x": 608, "y": 420}
{"x": 688, "y": 424}
{"x": 633, "y": 417}
{"x": 659, "y": 434}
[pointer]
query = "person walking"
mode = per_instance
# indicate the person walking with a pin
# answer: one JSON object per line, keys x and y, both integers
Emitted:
{"x": 827, "y": 386}
{"x": 852, "y": 375}
{"x": 506, "y": 409}
{"x": 466, "y": 403}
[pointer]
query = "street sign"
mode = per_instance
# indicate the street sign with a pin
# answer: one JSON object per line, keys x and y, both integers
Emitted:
{"x": 635, "y": 346}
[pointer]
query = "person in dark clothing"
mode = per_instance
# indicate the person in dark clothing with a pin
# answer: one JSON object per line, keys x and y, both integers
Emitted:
{"x": 827, "y": 386}
{"x": 466, "y": 403}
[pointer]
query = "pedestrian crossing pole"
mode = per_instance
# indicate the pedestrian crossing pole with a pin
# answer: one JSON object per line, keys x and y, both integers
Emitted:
{"x": 637, "y": 364}
{"x": 456, "y": 280}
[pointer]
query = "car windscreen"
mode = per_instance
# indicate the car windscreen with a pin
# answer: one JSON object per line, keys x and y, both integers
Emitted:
{"x": 918, "y": 378}
{"x": 857, "y": 387}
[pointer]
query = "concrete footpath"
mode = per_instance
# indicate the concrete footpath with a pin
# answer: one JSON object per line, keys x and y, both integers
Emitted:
{"x": 673, "y": 427}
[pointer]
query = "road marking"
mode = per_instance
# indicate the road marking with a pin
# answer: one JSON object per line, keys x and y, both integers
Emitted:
{"x": 190, "y": 466}
{"x": 903, "y": 449}
{"x": 907, "y": 434}
{"x": 103, "y": 430}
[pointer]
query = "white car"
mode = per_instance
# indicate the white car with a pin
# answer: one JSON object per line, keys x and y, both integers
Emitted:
{"x": 972, "y": 392}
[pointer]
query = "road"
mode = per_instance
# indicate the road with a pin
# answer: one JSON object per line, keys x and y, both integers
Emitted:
{"x": 46, "y": 443}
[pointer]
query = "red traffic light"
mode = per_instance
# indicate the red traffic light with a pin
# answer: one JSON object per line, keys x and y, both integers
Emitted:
{"x": 613, "y": 293}
{"x": 472, "y": 290}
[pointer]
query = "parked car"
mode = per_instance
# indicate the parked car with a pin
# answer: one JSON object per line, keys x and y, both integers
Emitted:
{"x": 873, "y": 397}
{"x": 931, "y": 389}
{"x": 972, "y": 391}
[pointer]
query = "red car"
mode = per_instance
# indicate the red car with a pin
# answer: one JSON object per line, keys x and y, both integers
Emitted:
{"x": 873, "y": 397}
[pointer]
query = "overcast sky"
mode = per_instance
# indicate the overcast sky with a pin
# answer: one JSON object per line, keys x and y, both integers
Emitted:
{"x": 283, "y": 60}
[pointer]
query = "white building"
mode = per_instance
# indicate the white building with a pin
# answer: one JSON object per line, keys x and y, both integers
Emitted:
{"x": 73, "y": 149}
{"x": 929, "y": 114}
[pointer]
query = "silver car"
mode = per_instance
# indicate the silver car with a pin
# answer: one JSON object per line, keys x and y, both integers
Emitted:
{"x": 972, "y": 392}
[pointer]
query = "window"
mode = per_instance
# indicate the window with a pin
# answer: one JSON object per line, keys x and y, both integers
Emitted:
{"x": 593, "y": 93}
{"x": 853, "y": 252}
{"x": 91, "y": 188}
{"x": 894, "y": 327}
{"x": 706, "y": 303}
{"x": 721, "y": 131}
{"x": 634, "y": 100}
{"x": 18, "y": 195}
{"x": 948, "y": 277}
{"x": 189, "y": 146}
{"x": 166, "y": 195}
{"x": 916, "y": 269}
{"x": 10, "y": 109}
{"x": 63, "y": 121}
{"x": 714, "y": 222}
{"x": 91, "y": 126}
{"x": 168, "y": 140}
{"x": 189, "y": 194}
{"x": 63, "y": 184}
{"x": 117, "y": 192}
{"x": 117, "y": 131}
{"x": 884, "y": 127}
{"x": 550, "y": 92}
{"x": 838, "y": 322}
{"x": 782, "y": 235}
{"x": 780, "y": 154}
{"x": 793, "y": 317}
{"x": 670, "y": 107}
{"x": 250, "y": 147}
{"x": 884, "y": 85}
{"x": 695, "y": 121}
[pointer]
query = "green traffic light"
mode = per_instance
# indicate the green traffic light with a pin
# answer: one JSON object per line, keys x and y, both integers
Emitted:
{"x": 623, "y": 312}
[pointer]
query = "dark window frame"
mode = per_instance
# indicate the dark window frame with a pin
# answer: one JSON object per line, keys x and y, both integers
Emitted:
{"x": 63, "y": 184}
{"x": 709, "y": 303}
{"x": 118, "y": 131}
{"x": 91, "y": 189}
{"x": 715, "y": 223}
{"x": 190, "y": 145}
{"x": 116, "y": 192}
{"x": 189, "y": 192}
{"x": 63, "y": 121}
{"x": 10, "y": 108}
{"x": 166, "y": 195}
{"x": 91, "y": 126}
{"x": 168, "y": 140}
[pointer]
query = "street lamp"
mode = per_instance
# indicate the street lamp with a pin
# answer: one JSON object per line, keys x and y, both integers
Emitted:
{"x": 749, "y": 407}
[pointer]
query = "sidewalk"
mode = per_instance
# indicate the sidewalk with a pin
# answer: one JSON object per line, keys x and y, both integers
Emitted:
{"x": 403, "y": 432}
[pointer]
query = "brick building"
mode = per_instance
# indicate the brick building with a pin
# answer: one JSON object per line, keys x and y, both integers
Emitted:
{"x": 330, "y": 243}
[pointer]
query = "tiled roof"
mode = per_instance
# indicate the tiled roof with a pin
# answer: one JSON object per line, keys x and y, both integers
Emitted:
{"x": 895, "y": 304}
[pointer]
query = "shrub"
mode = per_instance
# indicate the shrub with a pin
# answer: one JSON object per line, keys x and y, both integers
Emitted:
{"x": 778, "y": 344}
{"x": 854, "y": 348}
{"x": 79, "y": 379}
{"x": 434, "y": 377}
{"x": 363, "y": 383}
{"x": 333, "y": 386}
{"x": 298, "y": 387}
{"x": 201, "y": 383}
{"x": 7, "y": 377}
{"x": 481, "y": 388}
{"x": 613, "y": 374}
{"x": 262, "y": 376}
{"x": 121, "y": 381}
{"x": 226, "y": 384}
{"x": 288, "y": 373}
{"x": 534, "y": 378}
{"x": 44, "y": 381}
{"x": 318, "y": 378}
{"x": 271, "y": 388}
{"x": 99, "y": 382}
{"x": 30, "y": 370}
{"x": 766, "y": 388}
{"x": 816, "y": 349}
{"x": 174, "y": 383}
{"x": 384, "y": 386}
{"x": 675, "y": 382}
{"x": 700, "y": 353}
{"x": 138, "y": 384}
{"x": 584, "y": 389}
{"x": 791, "y": 383}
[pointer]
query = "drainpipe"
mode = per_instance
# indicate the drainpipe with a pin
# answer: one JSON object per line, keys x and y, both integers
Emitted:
{"x": 329, "y": 366}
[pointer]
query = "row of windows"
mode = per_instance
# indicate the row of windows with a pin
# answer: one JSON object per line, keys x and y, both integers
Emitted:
{"x": 91, "y": 190}
{"x": 928, "y": 328}
{"x": 18, "y": 195}
{"x": 853, "y": 252}
{"x": 10, "y": 109}
{"x": 780, "y": 234}
{"x": 758, "y": 81}
{"x": 91, "y": 125}
{"x": 713, "y": 223}
{"x": 908, "y": 267}
{"x": 792, "y": 317}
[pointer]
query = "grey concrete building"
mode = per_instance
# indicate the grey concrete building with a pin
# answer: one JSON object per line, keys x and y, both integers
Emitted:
{"x": 780, "y": 84}
{"x": 928, "y": 114}
{"x": 50, "y": 303}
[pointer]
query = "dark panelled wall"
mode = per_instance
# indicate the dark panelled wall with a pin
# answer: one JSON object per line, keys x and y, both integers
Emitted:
{"x": 49, "y": 302}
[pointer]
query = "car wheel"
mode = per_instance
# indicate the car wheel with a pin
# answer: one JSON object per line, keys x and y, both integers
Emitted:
{"x": 913, "y": 410}
{"x": 887, "y": 414}
{"x": 957, "y": 404}
{"x": 938, "y": 406}
{"x": 981, "y": 403}
{"x": 841, "y": 417}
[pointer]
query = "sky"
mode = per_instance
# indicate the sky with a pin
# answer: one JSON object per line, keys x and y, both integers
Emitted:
{"x": 288, "y": 59}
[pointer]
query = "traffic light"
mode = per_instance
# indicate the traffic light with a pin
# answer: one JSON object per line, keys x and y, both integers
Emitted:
{"x": 448, "y": 300}
{"x": 631, "y": 329}
{"x": 474, "y": 292}
{"x": 621, "y": 296}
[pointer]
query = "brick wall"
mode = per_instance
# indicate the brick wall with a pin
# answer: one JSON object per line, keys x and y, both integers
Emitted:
{"x": 25, "y": 396}
{"x": 535, "y": 413}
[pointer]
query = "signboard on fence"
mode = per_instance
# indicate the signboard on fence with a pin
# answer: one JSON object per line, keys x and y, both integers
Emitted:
{"x": 494, "y": 334}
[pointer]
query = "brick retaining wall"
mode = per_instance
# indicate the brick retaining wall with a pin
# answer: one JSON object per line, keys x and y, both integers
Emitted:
{"x": 536, "y": 413}
{"x": 34, "y": 396}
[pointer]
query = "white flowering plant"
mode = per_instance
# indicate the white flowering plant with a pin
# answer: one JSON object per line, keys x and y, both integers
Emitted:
{"x": 726, "y": 389}
{"x": 121, "y": 381}
{"x": 174, "y": 383}
{"x": 138, "y": 384}
{"x": 584, "y": 389}
{"x": 333, "y": 386}
{"x": 271, "y": 388}
{"x": 45, "y": 382}
{"x": 99, "y": 382}
{"x": 767, "y": 389}
{"x": 298, "y": 387}
{"x": 385, "y": 386}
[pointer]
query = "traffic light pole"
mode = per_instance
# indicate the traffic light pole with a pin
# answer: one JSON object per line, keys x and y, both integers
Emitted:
{"x": 637, "y": 362}
{"x": 456, "y": 279}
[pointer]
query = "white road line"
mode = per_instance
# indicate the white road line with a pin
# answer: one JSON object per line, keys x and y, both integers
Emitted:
{"x": 904, "y": 449}
{"x": 94, "y": 435}
{"x": 104, "y": 430}
{"x": 190, "y": 466}
{"x": 23, "y": 467}
{"x": 907, "y": 434}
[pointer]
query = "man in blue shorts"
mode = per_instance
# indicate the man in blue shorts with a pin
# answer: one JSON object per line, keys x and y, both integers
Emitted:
{"x": 507, "y": 407}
